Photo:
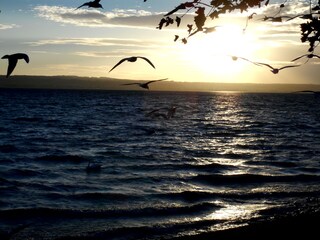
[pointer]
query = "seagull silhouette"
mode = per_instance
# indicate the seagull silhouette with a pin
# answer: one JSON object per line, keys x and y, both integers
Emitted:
{"x": 275, "y": 70}
{"x": 13, "y": 60}
{"x": 235, "y": 58}
{"x": 132, "y": 59}
{"x": 93, "y": 4}
{"x": 145, "y": 85}
{"x": 165, "y": 113}
{"x": 310, "y": 55}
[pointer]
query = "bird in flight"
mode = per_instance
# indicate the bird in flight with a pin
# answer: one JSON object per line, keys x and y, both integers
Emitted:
{"x": 165, "y": 113}
{"x": 13, "y": 60}
{"x": 275, "y": 70}
{"x": 235, "y": 58}
{"x": 93, "y": 4}
{"x": 146, "y": 84}
{"x": 132, "y": 59}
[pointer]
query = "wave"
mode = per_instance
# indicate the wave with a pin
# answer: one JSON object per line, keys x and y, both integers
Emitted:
{"x": 8, "y": 148}
{"x": 150, "y": 231}
{"x": 253, "y": 179}
{"x": 28, "y": 119}
{"x": 200, "y": 196}
{"x": 283, "y": 164}
{"x": 63, "y": 158}
{"x": 156, "y": 211}
{"x": 182, "y": 166}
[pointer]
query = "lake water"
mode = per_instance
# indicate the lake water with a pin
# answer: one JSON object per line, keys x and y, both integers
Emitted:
{"x": 223, "y": 160}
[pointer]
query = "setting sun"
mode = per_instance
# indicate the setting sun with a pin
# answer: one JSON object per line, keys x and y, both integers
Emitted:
{"x": 212, "y": 53}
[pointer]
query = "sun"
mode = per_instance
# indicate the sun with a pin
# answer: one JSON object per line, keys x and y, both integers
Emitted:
{"x": 212, "y": 53}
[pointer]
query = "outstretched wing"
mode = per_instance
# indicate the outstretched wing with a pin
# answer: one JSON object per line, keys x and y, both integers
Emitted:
{"x": 85, "y": 4}
{"x": 299, "y": 57}
{"x": 24, "y": 57}
{"x": 290, "y": 66}
{"x": 152, "y": 112}
{"x": 156, "y": 80}
{"x": 131, "y": 84}
{"x": 235, "y": 58}
{"x": 121, "y": 61}
{"x": 264, "y": 64}
{"x": 11, "y": 66}
{"x": 148, "y": 61}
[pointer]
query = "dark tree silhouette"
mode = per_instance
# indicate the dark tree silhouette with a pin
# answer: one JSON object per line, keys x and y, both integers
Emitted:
{"x": 210, "y": 10}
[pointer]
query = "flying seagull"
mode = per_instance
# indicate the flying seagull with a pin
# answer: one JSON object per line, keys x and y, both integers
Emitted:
{"x": 275, "y": 70}
{"x": 132, "y": 59}
{"x": 165, "y": 113}
{"x": 145, "y": 85}
{"x": 13, "y": 60}
{"x": 235, "y": 58}
{"x": 93, "y": 4}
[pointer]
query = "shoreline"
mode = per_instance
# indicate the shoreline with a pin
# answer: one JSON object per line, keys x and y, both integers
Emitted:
{"x": 298, "y": 226}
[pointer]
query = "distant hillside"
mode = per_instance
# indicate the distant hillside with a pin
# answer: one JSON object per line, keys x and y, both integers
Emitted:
{"x": 73, "y": 82}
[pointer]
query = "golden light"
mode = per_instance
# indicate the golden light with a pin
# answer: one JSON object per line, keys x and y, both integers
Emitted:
{"x": 212, "y": 53}
{"x": 233, "y": 212}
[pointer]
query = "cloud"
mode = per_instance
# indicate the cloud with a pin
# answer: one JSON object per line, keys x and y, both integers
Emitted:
{"x": 97, "y": 18}
{"x": 110, "y": 54}
{"x": 8, "y": 26}
{"x": 98, "y": 42}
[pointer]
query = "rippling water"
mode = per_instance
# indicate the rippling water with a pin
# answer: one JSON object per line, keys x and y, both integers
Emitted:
{"x": 223, "y": 160}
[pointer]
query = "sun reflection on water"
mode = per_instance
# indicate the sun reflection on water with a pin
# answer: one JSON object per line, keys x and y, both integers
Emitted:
{"x": 237, "y": 212}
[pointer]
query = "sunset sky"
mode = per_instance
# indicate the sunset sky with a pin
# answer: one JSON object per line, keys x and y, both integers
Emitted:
{"x": 89, "y": 42}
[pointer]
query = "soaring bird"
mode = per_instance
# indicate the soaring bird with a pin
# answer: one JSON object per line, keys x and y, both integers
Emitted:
{"x": 235, "y": 58}
{"x": 310, "y": 55}
{"x": 13, "y": 60}
{"x": 165, "y": 113}
{"x": 93, "y": 4}
{"x": 132, "y": 59}
{"x": 145, "y": 85}
{"x": 275, "y": 70}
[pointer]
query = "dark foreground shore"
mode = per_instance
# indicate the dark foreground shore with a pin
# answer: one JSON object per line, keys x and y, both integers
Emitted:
{"x": 298, "y": 225}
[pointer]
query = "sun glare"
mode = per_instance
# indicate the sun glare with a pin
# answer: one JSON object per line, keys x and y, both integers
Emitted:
{"x": 212, "y": 53}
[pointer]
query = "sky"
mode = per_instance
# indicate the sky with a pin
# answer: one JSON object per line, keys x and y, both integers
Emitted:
{"x": 61, "y": 40}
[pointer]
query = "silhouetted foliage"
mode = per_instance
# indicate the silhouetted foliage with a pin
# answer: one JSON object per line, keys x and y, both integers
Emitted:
{"x": 202, "y": 10}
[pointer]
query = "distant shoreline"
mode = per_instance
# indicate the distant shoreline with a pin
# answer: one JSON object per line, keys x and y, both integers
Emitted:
{"x": 95, "y": 83}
